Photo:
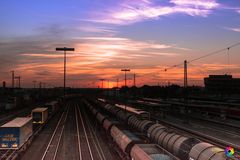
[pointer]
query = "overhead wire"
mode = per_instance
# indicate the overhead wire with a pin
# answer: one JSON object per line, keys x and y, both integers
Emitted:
{"x": 206, "y": 55}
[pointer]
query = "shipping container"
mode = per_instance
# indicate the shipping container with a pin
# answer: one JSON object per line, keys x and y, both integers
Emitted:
{"x": 15, "y": 133}
{"x": 40, "y": 115}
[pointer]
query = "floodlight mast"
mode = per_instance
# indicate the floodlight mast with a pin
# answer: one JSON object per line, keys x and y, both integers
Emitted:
{"x": 65, "y": 49}
{"x": 125, "y": 70}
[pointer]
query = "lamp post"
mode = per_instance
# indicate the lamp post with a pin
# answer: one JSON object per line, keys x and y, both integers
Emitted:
{"x": 125, "y": 70}
{"x": 65, "y": 49}
{"x": 186, "y": 90}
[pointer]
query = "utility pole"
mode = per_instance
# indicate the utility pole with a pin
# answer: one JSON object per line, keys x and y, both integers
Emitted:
{"x": 117, "y": 82}
{"x": 19, "y": 81}
{"x": 65, "y": 49}
{"x": 4, "y": 85}
{"x": 34, "y": 84}
{"x": 186, "y": 91}
{"x": 185, "y": 75}
{"x": 13, "y": 79}
{"x": 134, "y": 80}
{"x": 102, "y": 80}
{"x": 125, "y": 70}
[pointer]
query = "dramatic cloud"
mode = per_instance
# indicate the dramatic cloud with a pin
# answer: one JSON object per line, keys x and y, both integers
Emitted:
{"x": 112, "y": 43}
{"x": 234, "y": 29}
{"x": 206, "y": 4}
{"x": 127, "y": 12}
{"x": 104, "y": 44}
{"x": 38, "y": 60}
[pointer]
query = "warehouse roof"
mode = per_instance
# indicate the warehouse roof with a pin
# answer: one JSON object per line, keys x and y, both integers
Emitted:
{"x": 17, "y": 122}
{"x": 39, "y": 110}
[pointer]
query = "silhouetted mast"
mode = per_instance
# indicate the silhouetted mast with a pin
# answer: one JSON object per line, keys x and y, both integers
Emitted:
{"x": 19, "y": 81}
{"x": 102, "y": 80}
{"x": 134, "y": 79}
{"x": 125, "y": 70}
{"x": 65, "y": 49}
{"x": 185, "y": 75}
{"x": 13, "y": 77}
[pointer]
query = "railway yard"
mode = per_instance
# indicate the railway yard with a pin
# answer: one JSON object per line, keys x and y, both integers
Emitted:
{"x": 120, "y": 80}
{"x": 86, "y": 128}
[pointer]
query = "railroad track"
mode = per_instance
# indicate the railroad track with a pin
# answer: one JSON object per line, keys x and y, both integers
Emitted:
{"x": 95, "y": 141}
{"x": 219, "y": 123}
{"x": 52, "y": 148}
{"x": 206, "y": 138}
{"x": 221, "y": 126}
{"x": 197, "y": 121}
{"x": 218, "y": 127}
{"x": 6, "y": 154}
{"x": 215, "y": 126}
{"x": 12, "y": 154}
{"x": 88, "y": 145}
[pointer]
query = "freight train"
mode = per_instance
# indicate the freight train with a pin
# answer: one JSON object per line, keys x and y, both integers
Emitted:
{"x": 183, "y": 147}
{"x": 16, "y": 133}
{"x": 40, "y": 115}
{"x": 130, "y": 144}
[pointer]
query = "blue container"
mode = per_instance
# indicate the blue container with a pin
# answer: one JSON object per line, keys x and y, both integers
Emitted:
{"x": 15, "y": 133}
{"x": 9, "y": 137}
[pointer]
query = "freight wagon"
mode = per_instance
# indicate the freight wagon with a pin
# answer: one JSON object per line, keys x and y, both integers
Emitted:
{"x": 52, "y": 107}
{"x": 40, "y": 115}
{"x": 15, "y": 133}
{"x": 181, "y": 146}
{"x": 131, "y": 145}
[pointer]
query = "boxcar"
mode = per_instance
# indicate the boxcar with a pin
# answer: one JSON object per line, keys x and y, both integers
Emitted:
{"x": 40, "y": 115}
{"x": 15, "y": 133}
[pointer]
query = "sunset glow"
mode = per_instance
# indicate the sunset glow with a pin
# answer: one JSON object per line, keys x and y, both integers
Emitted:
{"x": 146, "y": 36}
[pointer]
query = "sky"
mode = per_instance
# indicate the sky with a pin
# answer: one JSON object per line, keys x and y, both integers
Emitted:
{"x": 145, "y": 36}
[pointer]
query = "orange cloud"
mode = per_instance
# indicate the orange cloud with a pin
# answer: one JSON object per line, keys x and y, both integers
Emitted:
{"x": 104, "y": 57}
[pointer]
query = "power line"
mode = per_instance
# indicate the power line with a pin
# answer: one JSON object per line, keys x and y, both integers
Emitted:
{"x": 204, "y": 56}
{"x": 215, "y": 52}
{"x": 174, "y": 66}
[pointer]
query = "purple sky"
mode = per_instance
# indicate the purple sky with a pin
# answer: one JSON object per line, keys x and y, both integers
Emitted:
{"x": 144, "y": 35}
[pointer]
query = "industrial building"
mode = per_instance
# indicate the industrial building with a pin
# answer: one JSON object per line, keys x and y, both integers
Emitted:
{"x": 222, "y": 84}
